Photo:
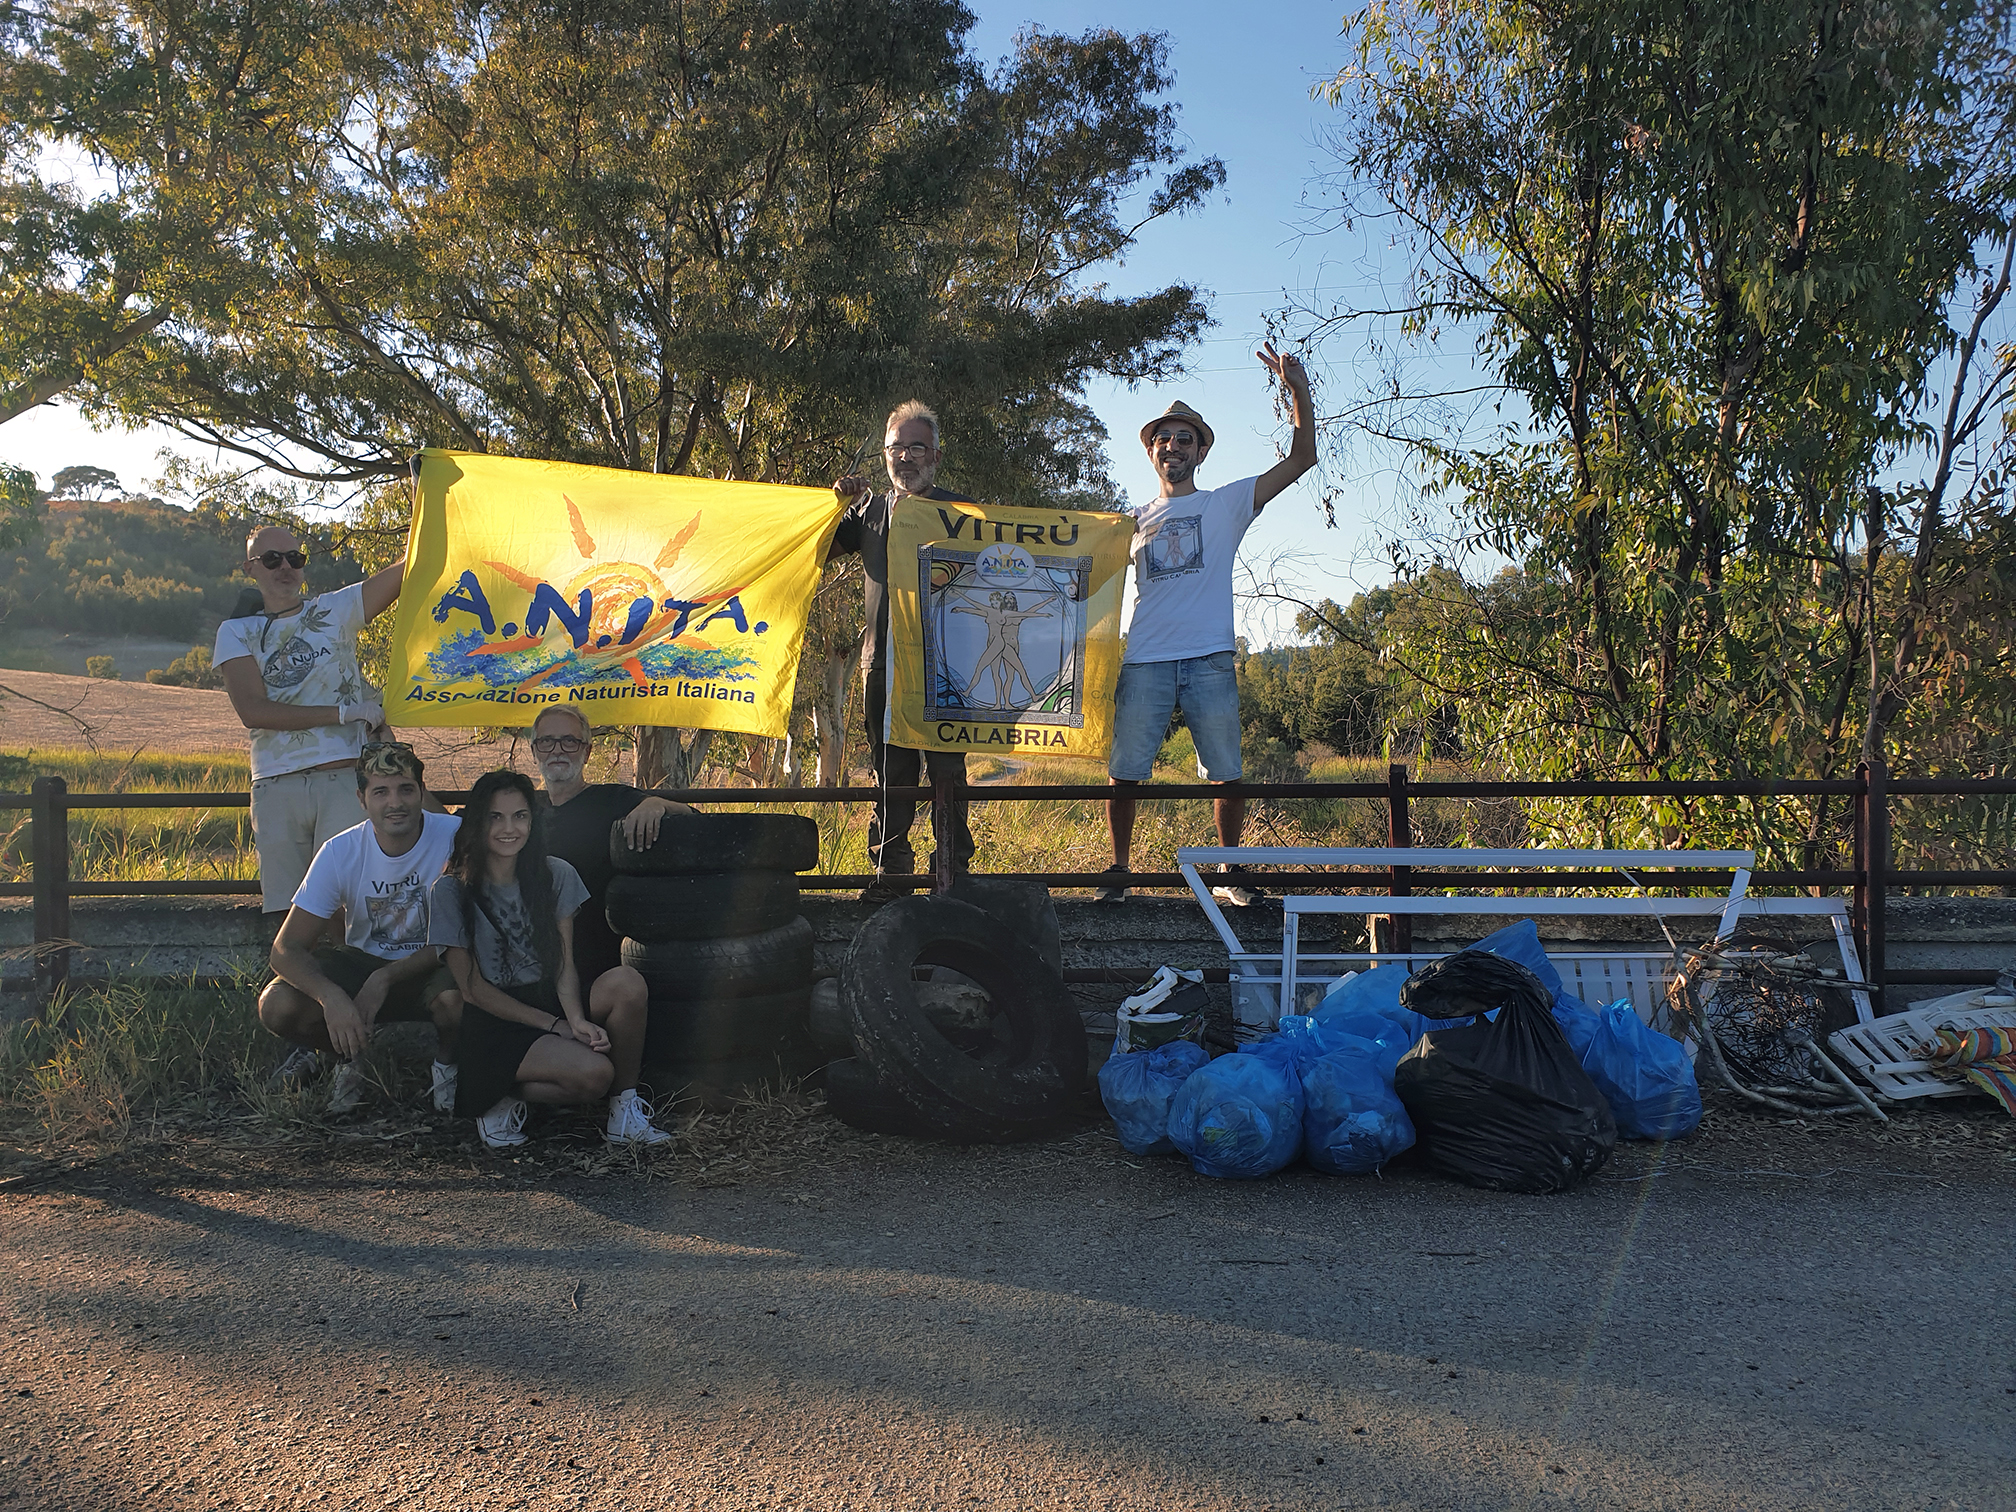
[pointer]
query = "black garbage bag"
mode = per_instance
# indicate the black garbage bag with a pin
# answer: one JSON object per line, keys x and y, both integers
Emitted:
{"x": 1501, "y": 1103}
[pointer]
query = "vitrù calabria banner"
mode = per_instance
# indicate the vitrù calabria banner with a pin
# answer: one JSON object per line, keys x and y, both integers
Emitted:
{"x": 1004, "y": 627}
{"x": 638, "y": 599}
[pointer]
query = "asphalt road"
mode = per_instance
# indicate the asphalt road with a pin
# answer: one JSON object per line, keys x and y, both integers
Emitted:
{"x": 1809, "y": 1320}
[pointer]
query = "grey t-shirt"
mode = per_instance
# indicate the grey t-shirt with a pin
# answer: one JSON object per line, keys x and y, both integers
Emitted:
{"x": 506, "y": 959}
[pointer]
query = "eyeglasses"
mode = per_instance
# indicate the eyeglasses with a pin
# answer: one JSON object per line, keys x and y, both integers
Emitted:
{"x": 914, "y": 449}
{"x": 565, "y": 745}
{"x": 1174, "y": 438}
{"x": 373, "y": 747}
{"x": 271, "y": 560}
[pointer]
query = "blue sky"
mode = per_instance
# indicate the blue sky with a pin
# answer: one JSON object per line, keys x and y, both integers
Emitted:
{"x": 1243, "y": 83}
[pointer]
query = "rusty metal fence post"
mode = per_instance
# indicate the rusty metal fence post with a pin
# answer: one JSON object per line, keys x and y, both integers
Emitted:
{"x": 49, "y": 852}
{"x": 947, "y": 792}
{"x": 1399, "y": 834}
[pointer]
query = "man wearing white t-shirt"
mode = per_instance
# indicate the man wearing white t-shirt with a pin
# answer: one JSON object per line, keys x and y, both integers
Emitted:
{"x": 291, "y": 670}
{"x": 1181, "y": 643}
{"x": 376, "y": 875}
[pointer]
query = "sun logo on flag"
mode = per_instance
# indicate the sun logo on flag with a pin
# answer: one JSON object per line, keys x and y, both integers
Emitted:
{"x": 619, "y": 620}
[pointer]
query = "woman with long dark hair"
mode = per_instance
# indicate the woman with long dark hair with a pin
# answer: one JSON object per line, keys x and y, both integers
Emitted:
{"x": 503, "y": 915}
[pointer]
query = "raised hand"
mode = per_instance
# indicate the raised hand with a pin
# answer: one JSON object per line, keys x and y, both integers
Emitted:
{"x": 850, "y": 487}
{"x": 1285, "y": 366}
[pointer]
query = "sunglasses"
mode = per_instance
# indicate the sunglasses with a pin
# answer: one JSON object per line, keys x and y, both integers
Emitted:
{"x": 566, "y": 745}
{"x": 374, "y": 747}
{"x": 271, "y": 560}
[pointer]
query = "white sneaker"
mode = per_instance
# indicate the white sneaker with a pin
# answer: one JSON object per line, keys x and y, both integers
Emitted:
{"x": 630, "y": 1121}
{"x": 1236, "y": 894}
{"x": 299, "y": 1069}
{"x": 503, "y": 1125}
{"x": 346, "y": 1088}
{"x": 444, "y": 1087}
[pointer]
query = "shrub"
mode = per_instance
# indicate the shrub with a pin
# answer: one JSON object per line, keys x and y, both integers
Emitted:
{"x": 101, "y": 667}
{"x": 190, "y": 670}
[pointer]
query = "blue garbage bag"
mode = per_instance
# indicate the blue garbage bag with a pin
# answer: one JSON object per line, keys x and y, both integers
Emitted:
{"x": 1352, "y": 1122}
{"x": 1375, "y": 993}
{"x": 1241, "y": 1115}
{"x": 1391, "y": 1036}
{"x": 1521, "y": 942}
{"x": 1298, "y": 1039}
{"x": 1644, "y": 1076}
{"x": 1138, "y": 1088}
{"x": 1579, "y": 1022}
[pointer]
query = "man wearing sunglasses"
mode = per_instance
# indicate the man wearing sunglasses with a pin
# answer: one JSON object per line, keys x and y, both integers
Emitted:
{"x": 1181, "y": 643}
{"x": 911, "y": 454}
{"x": 291, "y": 670}
{"x": 577, "y": 831}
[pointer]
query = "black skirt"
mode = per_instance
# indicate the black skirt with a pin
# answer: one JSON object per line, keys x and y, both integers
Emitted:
{"x": 493, "y": 1049}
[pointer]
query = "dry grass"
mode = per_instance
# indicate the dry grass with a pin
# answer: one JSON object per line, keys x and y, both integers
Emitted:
{"x": 105, "y": 1061}
{"x": 194, "y": 844}
{"x": 120, "y": 1067}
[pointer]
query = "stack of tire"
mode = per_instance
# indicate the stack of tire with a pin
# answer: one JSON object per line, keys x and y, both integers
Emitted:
{"x": 709, "y": 918}
{"x": 922, "y": 1070}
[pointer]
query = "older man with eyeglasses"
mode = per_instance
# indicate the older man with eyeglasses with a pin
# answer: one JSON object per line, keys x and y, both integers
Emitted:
{"x": 911, "y": 453}
{"x": 577, "y": 831}
{"x": 291, "y": 670}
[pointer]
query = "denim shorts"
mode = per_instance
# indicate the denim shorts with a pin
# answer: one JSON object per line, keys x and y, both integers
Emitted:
{"x": 1206, "y": 688}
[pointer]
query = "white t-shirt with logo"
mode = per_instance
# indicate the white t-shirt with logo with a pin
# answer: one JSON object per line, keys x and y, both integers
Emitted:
{"x": 384, "y": 897}
{"x": 1184, "y": 549}
{"x": 309, "y": 657}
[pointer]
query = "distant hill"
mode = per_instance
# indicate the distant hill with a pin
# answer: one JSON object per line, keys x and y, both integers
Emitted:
{"x": 136, "y": 567}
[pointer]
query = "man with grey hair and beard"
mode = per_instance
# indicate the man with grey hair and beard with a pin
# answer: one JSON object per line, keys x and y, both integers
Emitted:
{"x": 911, "y": 453}
{"x": 578, "y": 822}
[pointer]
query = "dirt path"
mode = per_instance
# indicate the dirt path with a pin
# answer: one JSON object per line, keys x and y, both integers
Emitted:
{"x": 1784, "y": 1320}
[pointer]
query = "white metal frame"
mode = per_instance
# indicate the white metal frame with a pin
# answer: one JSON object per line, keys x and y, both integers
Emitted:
{"x": 1728, "y": 910}
{"x": 1889, "y": 1051}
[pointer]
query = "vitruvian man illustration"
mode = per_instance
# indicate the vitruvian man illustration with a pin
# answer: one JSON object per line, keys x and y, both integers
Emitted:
{"x": 1004, "y": 633}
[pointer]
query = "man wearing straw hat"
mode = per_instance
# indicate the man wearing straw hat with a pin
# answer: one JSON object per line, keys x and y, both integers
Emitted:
{"x": 1181, "y": 643}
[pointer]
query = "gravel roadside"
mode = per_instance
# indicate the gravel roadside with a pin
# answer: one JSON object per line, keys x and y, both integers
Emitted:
{"x": 1765, "y": 1317}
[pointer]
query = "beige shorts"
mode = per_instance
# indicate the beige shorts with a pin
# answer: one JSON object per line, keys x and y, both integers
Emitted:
{"x": 293, "y": 816}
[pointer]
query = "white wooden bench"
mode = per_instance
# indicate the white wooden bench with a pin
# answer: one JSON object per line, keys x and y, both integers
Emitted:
{"x": 1263, "y": 980}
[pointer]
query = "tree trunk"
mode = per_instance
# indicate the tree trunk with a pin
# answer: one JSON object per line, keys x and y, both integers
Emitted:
{"x": 829, "y": 717}
{"x": 664, "y": 760}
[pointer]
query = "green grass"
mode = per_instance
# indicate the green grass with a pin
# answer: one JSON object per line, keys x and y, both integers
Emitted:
{"x": 188, "y": 844}
{"x": 126, "y": 1064}
{"x": 104, "y": 1060}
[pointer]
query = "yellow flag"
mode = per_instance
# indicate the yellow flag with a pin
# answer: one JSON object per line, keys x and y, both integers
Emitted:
{"x": 636, "y": 598}
{"x": 1004, "y": 627}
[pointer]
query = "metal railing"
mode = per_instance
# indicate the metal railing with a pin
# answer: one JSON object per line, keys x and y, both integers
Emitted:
{"x": 1868, "y": 880}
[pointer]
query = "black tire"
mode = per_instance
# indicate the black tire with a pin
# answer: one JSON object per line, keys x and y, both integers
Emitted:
{"x": 723, "y": 1029}
{"x": 1035, "y": 1068}
{"x": 831, "y": 1029}
{"x": 1024, "y": 907}
{"x": 739, "y": 966}
{"x": 701, "y": 905}
{"x": 858, "y": 1099}
{"x": 720, "y": 842}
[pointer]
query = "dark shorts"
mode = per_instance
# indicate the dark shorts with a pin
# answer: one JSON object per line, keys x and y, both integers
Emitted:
{"x": 494, "y": 1048}
{"x": 409, "y": 1001}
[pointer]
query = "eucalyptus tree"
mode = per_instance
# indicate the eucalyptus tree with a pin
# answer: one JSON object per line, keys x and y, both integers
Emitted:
{"x": 136, "y": 146}
{"x": 717, "y": 237}
{"x": 1718, "y": 265}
